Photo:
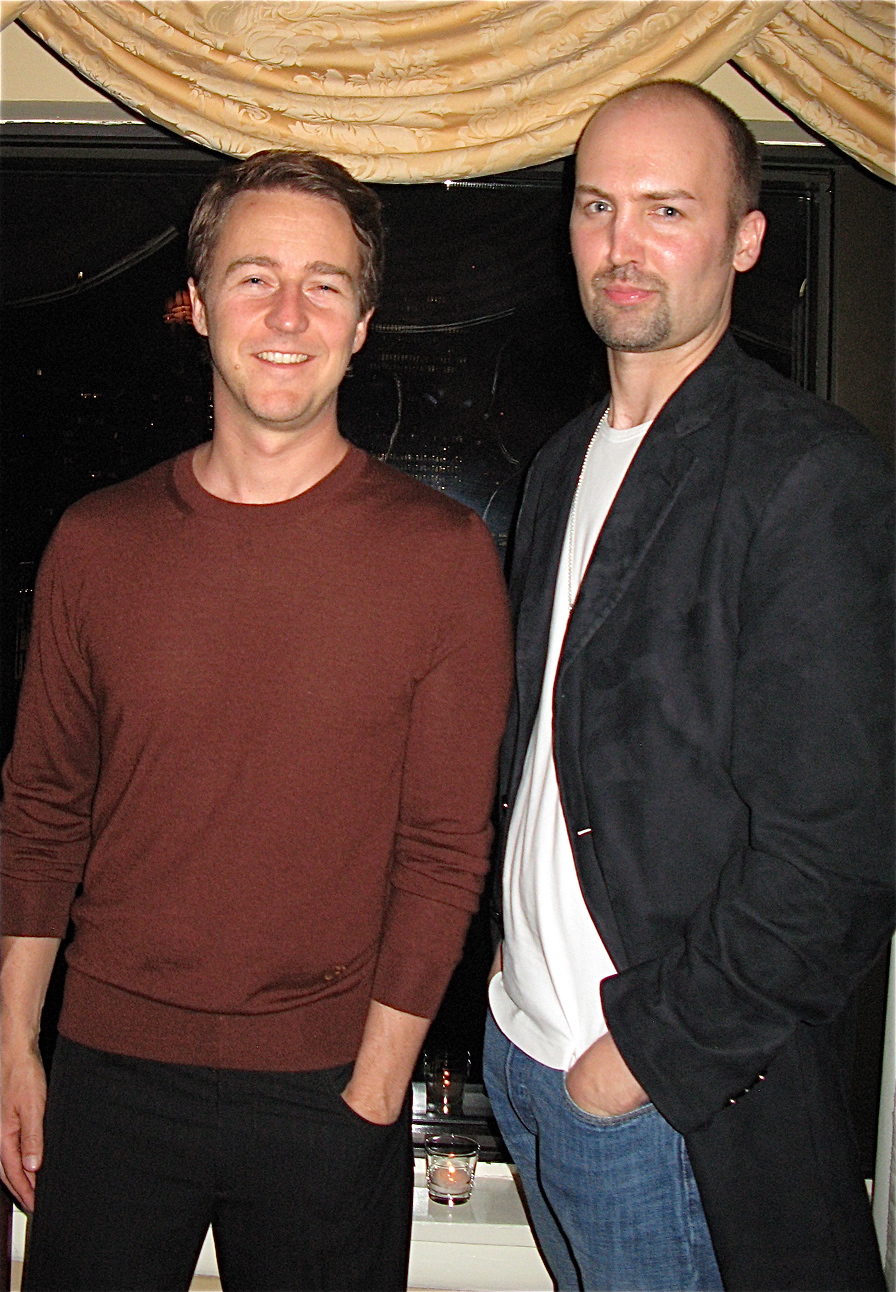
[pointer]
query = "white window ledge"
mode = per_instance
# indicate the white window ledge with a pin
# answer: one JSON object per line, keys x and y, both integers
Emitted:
{"x": 484, "y": 1244}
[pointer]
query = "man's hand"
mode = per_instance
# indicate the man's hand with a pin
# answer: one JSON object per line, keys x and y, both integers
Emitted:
{"x": 27, "y": 965}
{"x": 385, "y": 1063}
{"x": 601, "y": 1084}
{"x": 24, "y": 1095}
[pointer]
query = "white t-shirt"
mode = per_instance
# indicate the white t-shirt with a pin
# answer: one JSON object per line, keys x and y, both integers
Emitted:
{"x": 547, "y": 999}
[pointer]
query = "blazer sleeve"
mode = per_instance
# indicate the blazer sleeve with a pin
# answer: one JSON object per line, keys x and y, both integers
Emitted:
{"x": 799, "y": 914}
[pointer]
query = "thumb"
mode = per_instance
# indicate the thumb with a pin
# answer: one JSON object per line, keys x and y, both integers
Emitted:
{"x": 32, "y": 1146}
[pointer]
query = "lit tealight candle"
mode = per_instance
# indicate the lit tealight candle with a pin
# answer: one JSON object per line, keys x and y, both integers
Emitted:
{"x": 450, "y": 1166}
{"x": 452, "y": 1179}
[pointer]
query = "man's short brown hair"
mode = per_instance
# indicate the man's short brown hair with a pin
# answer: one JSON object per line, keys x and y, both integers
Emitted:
{"x": 297, "y": 172}
{"x": 746, "y": 162}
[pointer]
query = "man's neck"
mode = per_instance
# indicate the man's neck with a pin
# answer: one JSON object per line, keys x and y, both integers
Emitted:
{"x": 641, "y": 383}
{"x": 268, "y": 466}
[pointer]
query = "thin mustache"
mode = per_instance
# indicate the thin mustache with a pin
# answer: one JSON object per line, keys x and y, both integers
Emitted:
{"x": 615, "y": 277}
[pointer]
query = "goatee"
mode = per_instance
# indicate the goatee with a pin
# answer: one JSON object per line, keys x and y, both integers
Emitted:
{"x": 626, "y": 328}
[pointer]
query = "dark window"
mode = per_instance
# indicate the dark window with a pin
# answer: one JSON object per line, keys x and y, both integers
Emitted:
{"x": 478, "y": 351}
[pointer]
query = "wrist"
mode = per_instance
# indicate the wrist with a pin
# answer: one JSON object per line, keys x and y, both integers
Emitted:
{"x": 376, "y": 1103}
{"x": 19, "y": 1036}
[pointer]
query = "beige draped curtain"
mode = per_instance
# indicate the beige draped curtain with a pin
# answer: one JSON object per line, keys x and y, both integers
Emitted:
{"x": 413, "y": 90}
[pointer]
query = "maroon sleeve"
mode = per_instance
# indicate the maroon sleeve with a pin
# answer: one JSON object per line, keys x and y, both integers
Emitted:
{"x": 51, "y": 774}
{"x": 444, "y": 831}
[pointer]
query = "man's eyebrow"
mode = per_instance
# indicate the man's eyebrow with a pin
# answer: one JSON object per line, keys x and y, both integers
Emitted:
{"x": 242, "y": 261}
{"x": 324, "y": 267}
{"x": 671, "y": 195}
{"x": 316, "y": 266}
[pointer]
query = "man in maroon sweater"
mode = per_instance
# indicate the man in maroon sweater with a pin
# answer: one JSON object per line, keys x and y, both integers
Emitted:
{"x": 254, "y": 765}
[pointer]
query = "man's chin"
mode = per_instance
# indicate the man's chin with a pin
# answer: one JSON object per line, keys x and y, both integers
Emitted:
{"x": 287, "y": 418}
{"x": 628, "y": 347}
{"x": 632, "y": 336}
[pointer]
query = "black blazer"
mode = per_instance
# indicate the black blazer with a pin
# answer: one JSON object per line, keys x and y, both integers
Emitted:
{"x": 722, "y": 733}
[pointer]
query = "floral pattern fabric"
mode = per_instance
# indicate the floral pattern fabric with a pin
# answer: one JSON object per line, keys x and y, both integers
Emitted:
{"x": 407, "y": 91}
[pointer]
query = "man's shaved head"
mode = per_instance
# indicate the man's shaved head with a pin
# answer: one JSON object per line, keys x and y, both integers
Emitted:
{"x": 743, "y": 151}
{"x": 662, "y": 221}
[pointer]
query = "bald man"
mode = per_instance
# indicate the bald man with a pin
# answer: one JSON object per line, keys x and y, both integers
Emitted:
{"x": 697, "y": 868}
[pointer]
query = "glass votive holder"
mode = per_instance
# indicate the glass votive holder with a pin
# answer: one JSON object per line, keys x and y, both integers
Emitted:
{"x": 445, "y": 1073}
{"x": 450, "y": 1167}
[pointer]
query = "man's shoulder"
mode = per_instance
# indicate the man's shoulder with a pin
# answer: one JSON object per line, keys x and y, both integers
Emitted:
{"x": 775, "y": 427}
{"x": 731, "y": 391}
{"x": 426, "y": 540}
{"x": 125, "y": 503}
{"x": 757, "y": 391}
{"x": 752, "y": 425}
{"x": 402, "y": 501}
{"x": 562, "y": 447}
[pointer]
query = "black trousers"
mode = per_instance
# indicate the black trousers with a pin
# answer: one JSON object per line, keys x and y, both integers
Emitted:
{"x": 142, "y": 1157}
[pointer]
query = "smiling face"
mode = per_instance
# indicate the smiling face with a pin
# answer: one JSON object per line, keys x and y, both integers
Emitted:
{"x": 651, "y": 233}
{"x": 280, "y": 310}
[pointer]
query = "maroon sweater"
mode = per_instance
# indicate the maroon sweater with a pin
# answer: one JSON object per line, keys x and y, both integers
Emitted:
{"x": 264, "y": 738}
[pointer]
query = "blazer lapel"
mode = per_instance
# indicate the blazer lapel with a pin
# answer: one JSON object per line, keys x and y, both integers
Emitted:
{"x": 648, "y": 493}
{"x": 539, "y": 543}
{"x": 659, "y": 471}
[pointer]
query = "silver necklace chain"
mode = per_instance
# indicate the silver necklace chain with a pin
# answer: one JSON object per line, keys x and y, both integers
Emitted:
{"x": 572, "y": 589}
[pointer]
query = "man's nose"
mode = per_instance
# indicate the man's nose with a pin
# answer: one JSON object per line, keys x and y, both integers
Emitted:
{"x": 626, "y": 239}
{"x": 288, "y": 311}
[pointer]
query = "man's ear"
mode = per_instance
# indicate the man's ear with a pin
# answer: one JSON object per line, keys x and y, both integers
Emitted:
{"x": 361, "y": 331}
{"x": 197, "y": 306}
{"x": 748, "y": 241}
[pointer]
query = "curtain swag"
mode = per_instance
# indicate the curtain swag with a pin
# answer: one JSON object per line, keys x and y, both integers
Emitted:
{"x": 406, "y": 91}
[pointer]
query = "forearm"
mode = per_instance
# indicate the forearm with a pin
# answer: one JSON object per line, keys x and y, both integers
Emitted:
{"x": 27, "y": 964}
{"x": 26, "y": 967}
{"x": 385, "y": 1062}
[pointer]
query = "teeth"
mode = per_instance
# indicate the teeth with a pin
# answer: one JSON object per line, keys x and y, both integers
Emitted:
{"x": 279, "y": 356}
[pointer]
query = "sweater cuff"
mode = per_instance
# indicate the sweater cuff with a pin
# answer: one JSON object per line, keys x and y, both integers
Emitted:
{"x": 421, "y": 945}
{"x": 34, "y": 909}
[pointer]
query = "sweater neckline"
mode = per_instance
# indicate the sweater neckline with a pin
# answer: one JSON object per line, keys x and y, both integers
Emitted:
{"x": 196, "y": 501}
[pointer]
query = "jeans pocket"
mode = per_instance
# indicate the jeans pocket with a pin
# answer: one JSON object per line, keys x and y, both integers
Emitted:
{"x": 598, "y": 1121}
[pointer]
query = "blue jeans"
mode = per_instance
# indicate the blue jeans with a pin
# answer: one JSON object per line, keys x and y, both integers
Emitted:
{"x": 613, "y": 1200}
